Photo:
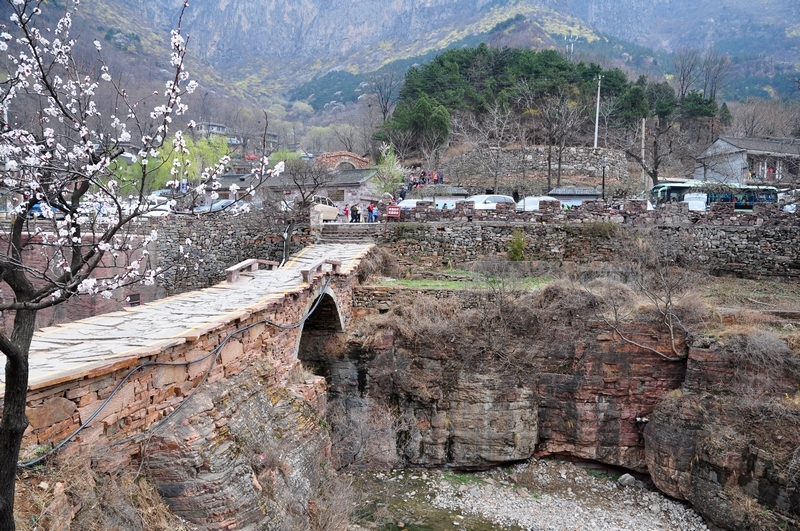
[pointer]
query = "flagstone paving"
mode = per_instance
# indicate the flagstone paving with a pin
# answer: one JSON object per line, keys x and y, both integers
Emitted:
{"x": 59, "y": 351}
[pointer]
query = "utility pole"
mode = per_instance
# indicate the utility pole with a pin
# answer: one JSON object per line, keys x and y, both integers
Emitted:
{"x": 597, "y": 112}
{"x": 644, "y": 176}
{"x": 604, "y": 178}
{"x": 570, "y": 48}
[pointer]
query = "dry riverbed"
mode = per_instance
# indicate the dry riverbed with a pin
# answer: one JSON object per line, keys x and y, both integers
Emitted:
{"x": 540, "y": 495}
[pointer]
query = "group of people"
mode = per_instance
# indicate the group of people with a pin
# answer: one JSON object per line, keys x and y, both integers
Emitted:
{"x": 435, "y": 177}
{"x": 352, "y": 214}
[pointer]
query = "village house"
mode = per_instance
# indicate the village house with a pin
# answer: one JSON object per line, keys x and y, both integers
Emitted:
{"x": 573, "y": 196}
{"x": 750, "y": 160}
{"x": 343, "y": 187}
{"x": 342, "y": 160}
{"x": 235, "y": 139}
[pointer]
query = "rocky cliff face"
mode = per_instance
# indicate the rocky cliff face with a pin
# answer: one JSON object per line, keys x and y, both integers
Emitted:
{"x": 729, "y": 449}
{"x": 241, "y": 455}
{"x": 280, "y": 43}
{"x": 587, "y": 401}
{"x": 718, "y": 428}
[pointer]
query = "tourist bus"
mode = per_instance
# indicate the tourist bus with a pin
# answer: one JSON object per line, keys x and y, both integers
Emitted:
{"x": 743, "y": 195}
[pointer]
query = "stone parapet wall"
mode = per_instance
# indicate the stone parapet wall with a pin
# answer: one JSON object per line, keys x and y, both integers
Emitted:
{"x": 762, "y": 243}
{"x": 575, "y": 161}
{"x": 214, "y": 242}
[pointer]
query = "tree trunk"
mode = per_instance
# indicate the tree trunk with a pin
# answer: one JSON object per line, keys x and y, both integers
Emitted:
{"x": 549, "y": 167}
{"x": 14, "y": 421}
{"x": 287, "y": 238}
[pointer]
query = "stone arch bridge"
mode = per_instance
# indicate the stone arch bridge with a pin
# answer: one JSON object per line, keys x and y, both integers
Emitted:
{"x": 117, "y": 376}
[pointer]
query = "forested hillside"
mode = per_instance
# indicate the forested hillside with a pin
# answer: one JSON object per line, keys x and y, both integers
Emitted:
{"x": 263, "y": 49}
{"x": 492, "y": 98}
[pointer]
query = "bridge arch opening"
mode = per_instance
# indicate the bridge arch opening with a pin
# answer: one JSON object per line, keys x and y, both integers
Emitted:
{"x": 322, "y": 338}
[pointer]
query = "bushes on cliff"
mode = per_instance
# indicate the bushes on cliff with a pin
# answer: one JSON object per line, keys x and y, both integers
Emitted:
{"x": 497, "y": 325}
{"x": 378, "y": 262}
{"x": 127, "y": 500}
{"x": 763, "y": 364}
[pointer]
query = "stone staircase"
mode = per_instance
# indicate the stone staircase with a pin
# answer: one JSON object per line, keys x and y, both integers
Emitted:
{"x": 350, "y": 232}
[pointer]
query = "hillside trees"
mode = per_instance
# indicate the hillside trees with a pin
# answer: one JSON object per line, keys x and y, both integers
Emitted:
{"x": 384, "y": 87}
{"x": 471, "y": 82}
{"x": 488, "y": 134}
{"x": 64, "y": 158}
{"x": 674, "y": 129}
{"x": 560, "y": 118}
{"x": 553, "y": 97}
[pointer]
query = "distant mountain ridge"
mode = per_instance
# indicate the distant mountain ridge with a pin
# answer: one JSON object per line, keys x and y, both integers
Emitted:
{"x": 262, "y": 48}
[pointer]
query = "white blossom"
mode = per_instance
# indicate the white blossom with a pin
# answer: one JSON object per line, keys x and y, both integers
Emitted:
{"x": 87, "y": 285}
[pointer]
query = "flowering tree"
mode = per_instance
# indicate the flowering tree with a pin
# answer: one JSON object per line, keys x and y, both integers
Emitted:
{"x": 60, "y": 156}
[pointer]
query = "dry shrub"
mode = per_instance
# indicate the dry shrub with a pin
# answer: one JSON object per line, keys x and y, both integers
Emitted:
{"x": 300, "y": 374}
{"x": 564, "y": 300}
{"x": 693, "y": 311}
{"x": 363, "y": 435}
{"x": 422, "y": 319}
{"x": 763, "y": 363}
{"x": 793, "y": 342}
{"x": 331, "y": 507}
{"x": 379, "y": 262}
{"x": 614, "y": 293}
{"x": 123, "y": 501}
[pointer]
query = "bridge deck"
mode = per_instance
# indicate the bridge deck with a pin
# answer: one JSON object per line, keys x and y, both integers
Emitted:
{"x": 62, "y": 352}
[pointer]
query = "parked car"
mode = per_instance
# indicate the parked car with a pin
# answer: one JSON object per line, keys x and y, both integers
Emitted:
{"x": 532, "y": 202}
{"x": 158, "y": 211}
{"x": 216, "y": 206}
{"x": 43, "y": 210}
{"x": 150, "y": 202}
{"x": 489, "y": 202}
{"x": 329, "y": 210}
{"x": 408, "y": 204}
{"x": 696, "y": 200}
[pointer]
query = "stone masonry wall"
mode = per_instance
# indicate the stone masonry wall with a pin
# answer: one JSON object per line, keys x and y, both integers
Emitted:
{"x": 218, "y": 241}
{"x": 250, "y": 378}
{"x": 214, "y": 243}
{"x": 761, "y": 243}
{"x": 575, "y": 161}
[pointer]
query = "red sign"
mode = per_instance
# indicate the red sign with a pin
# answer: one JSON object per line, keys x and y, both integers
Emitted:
{"x": 393, "y": 211}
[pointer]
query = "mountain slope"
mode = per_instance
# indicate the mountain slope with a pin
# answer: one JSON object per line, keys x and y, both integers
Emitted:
{"x": 265, "y": 47}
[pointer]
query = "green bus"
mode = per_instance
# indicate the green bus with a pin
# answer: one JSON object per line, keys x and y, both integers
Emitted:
{"x": 703, "y": 193}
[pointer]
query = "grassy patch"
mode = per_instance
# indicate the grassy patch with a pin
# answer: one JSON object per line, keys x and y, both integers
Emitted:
{"x": 463, "y": 479}
{"x": 603, "y": 475}
{"x": 526, "y": 284}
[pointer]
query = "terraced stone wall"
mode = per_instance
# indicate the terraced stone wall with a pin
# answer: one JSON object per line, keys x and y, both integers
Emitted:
{"x": 759, "y": 244}
{"x": 575, "y": 161}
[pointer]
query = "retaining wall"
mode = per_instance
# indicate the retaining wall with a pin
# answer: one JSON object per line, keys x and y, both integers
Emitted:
{"x": 761, "y": 243}
{"x": 583, "y": 161}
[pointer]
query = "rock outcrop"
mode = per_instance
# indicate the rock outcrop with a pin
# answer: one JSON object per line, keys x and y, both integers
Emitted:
{"x": 718, "y": 427}
{"x": 588, "y": 401}
{"x": 243, "y": 455}
{"x": 730, "y": 450}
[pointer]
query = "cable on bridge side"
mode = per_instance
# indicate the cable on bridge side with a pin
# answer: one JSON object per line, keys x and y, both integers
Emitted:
{"x": 215, "y": 353}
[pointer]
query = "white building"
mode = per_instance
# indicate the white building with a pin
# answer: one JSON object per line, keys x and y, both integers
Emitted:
{"x": 750, "y": 160}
